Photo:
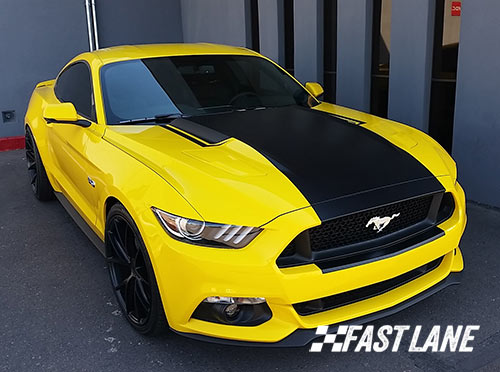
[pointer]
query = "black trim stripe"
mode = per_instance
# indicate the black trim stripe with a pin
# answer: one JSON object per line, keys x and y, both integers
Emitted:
{"x": 184, "y": 135}
{"x": 202, "y": 132}
{"x": 348, "y": 119}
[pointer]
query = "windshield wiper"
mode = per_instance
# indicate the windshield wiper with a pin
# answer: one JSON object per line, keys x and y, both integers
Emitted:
{"x": 157, "y": 119}
{"x": 228, "y": 109}
{"x": 219, "y": 109}
{"x": 251, "y": 108}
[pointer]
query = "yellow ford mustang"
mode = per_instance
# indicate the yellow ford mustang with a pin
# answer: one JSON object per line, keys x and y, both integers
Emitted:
{"x": 231, "y": 204}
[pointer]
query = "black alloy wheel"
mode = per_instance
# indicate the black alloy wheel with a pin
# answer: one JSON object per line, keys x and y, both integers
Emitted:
{"x": 40, "y": 184}
{"x": 131, "y": 273}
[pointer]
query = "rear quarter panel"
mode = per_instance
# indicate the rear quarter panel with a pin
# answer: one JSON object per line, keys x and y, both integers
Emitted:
{"x": 42, "y": 95}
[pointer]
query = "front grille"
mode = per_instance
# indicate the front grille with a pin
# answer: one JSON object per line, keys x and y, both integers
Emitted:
{"x": 360, "y": 294}
{"x": 347, "y": 241}
{"x": 352, "y": 229}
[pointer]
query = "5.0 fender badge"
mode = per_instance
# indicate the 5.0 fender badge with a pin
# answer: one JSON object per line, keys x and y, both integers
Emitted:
{"x": 379, "y": 223}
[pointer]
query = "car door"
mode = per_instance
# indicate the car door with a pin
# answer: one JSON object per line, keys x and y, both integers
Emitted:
{"x": 68, "y": 143}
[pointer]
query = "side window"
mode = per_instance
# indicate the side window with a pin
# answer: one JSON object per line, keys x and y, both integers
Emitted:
{"x": 75, "y": 85}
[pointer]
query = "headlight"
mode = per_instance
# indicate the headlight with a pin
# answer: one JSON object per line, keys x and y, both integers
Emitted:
{"x": 206, "y": 233}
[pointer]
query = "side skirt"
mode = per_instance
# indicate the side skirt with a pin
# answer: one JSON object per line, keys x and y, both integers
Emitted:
{"x": 82, "y": 224}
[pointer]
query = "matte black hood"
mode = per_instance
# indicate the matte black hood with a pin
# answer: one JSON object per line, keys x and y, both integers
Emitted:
{"x": 338, "y": 166}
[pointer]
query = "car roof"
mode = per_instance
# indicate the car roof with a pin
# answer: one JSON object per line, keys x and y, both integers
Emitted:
{"x": 129, "y": 52}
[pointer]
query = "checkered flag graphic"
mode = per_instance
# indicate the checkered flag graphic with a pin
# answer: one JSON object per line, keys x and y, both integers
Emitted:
{"x": 317, "y": 347}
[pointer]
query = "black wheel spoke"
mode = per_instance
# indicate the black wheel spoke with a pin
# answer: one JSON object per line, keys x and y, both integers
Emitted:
{"x": 142, "y": 295}
{"x": 118, "y": 247}
{"x": 117, "y": 261}
{"x": 142, "y": 276}
{"x": 136, "y": 243}
{"x": 119, "y": 235}
{"x": 122, "y": 284}
{"x": 136, "y": 311}
{"x": 130, "y": 295}
{"x": 132, "y": 247}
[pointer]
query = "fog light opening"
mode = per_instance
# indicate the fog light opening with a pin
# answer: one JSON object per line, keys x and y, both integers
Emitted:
{"x": 242, "y": 311}
{"x": 232, "y": 311}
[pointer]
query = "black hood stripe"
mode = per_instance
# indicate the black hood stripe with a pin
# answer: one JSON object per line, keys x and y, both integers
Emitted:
{"x": 326, "y": 157}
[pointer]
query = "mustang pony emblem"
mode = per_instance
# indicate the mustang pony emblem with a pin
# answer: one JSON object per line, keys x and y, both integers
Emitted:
{"x": 379, "y": 223}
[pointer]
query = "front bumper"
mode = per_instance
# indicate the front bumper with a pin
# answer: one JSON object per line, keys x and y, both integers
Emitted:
{"x": 187, "y": 274}
{"x": 302, "y": 337}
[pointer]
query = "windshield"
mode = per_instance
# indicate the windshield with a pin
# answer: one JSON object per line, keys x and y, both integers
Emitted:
{"x": 195, "y": 85}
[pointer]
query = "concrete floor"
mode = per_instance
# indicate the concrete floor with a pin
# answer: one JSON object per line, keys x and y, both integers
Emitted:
{"x": 58, "y": 313}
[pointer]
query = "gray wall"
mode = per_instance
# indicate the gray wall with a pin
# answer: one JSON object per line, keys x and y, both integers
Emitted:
{"x": 354, "y": 48}
{"x": 36, "y": 41}
{"x": 216, "y": 21}
{"x": 272, "y": 30}
{"x": 38, "y": 38}
{"x": 412, "y": 37}
{"x": 138, "y": 22}
{"x": 476, "y": 140}
{"x": 308, "y": 35}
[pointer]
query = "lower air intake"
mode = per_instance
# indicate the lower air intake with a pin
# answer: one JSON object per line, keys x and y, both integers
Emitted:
{"x": 346, "y": 298}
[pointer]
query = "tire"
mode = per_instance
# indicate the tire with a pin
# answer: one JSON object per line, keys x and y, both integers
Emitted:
{"x": 131, "y": 273}
{"x": 40, "y": 184}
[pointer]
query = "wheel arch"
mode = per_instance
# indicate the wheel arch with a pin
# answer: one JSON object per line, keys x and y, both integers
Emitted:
{"x": 108, "y": 204}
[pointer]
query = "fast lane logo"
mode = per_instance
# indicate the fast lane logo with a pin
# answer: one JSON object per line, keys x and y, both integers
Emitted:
{"x": 389, "y": 338}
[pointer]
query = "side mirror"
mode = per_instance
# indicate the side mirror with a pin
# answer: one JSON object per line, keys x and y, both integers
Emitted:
{"x": 315, "y": 89}
{"x": 64, "y": 113}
